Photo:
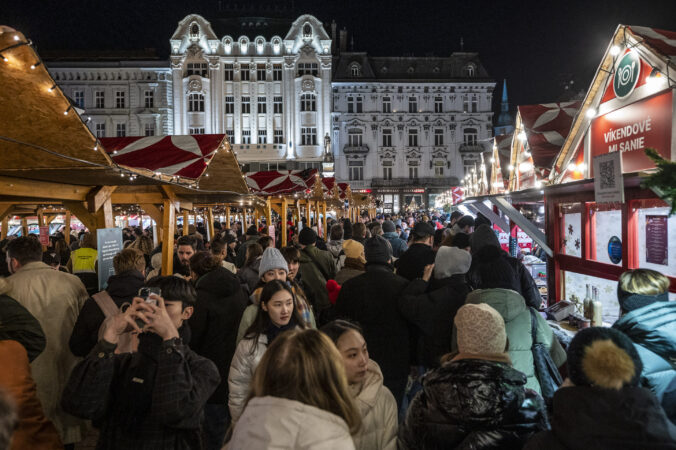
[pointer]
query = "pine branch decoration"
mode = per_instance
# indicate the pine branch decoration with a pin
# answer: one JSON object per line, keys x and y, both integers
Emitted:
{"x": 664, "y": 180}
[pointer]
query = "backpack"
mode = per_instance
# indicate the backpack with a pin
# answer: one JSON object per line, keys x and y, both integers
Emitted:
{"x": 128, "y": 342}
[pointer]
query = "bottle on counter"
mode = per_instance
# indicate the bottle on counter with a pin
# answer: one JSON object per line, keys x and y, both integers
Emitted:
{"x": 596, "y": 310}
{"x": 586, "y": 305}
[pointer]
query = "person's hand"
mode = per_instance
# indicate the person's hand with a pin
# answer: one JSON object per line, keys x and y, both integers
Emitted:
{"x": 427, "y": 273}
{"x": 126, "y": 321}
{"x": 159, "y": 321}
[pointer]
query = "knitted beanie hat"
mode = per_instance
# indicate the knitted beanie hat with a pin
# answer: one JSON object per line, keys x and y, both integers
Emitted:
{"x": 377, "y": 250}
{"x": 307, "y": 236}
{"x": 388, "y": 227}
{"x": 603, "y": 357}
{"x": 450, "y": 261}
{"x": 480, "y": 330}
{"x": 354, "y": 250}
{"x": 272, "y": 259}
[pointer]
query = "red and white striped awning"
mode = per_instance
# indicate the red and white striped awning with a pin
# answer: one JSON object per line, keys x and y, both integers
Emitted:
{"x": 277, "y": 182}
{"x": 185, "y": 155}
{"x": 329, "y": 182}
{"x": 546, "y": 126}
{"x": 661, "y": 41}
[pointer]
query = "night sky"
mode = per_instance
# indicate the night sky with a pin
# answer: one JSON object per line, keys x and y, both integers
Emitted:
{"x": 535, "y": 45}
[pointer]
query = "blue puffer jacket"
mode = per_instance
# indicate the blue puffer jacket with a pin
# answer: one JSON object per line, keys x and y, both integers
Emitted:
{"x": 652, "y": 328}
{"x": 398, "y": 245}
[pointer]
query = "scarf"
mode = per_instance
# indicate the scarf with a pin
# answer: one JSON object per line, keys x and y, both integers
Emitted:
{"x": 273, "y": 330}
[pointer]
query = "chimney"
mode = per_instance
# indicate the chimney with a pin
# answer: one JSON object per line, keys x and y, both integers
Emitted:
{"x": 334, "y": 38}
{"x": 343, "y": 40}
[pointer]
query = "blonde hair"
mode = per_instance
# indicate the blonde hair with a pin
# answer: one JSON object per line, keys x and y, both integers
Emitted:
{"x": 643, "y": 282}
{"x": 305, "y": 366}
{"x": 129, "y": 259}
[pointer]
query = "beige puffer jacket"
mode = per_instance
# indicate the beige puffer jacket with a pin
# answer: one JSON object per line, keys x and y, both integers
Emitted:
{"x": 242, "y": 368}
{"x": 378, "y": 410}
{"x": 272, "y": 422}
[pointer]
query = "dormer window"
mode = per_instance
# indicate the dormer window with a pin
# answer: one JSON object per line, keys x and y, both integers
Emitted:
{"x": 307, "y": 31}
{"x": 194, "y": 31}
{"x": 470, "y": 70}
{"x": 410, "y": 69}
{"x": 355, "y": 70}
{"x": 383, "y": 69}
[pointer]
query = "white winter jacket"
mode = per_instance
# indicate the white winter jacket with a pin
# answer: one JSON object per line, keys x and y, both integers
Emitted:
{"x": 378, "y": 410}
{"x": 241, "y": 373}
{"x": 279, "y": 423}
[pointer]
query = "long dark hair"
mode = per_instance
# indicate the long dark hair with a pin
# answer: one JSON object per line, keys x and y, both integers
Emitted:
{"x": 262, "y": 322}
{"x": 336, "y": 328}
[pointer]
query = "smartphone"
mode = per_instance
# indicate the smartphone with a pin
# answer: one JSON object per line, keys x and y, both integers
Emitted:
{"x": 148, "y": 295}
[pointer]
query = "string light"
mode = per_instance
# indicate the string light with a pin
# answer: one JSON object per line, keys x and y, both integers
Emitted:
{"x": 35, "y": 64}
{"x": 51, "y": 89}
{"x": 4, "y": 58}
{"x": 16, "y": 37}
{"x": 65, "y": 113}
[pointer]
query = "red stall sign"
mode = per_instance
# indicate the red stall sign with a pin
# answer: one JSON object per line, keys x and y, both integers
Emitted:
{"x": 632, "y": 128}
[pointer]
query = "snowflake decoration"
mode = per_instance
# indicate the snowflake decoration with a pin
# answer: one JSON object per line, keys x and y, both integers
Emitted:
{"x": 564, "y": 242}
{"x": 577, "y": 244}
{"x": 608, "y": 290}
{"x": 570, "y": 229}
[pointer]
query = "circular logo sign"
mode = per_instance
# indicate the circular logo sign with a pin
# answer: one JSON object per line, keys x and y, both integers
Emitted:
{"x": 626, "y": 74}
{"x": 615, "y": 250}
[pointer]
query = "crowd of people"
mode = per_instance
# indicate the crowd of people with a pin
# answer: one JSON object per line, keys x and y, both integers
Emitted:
{"x": 406, "y": 331}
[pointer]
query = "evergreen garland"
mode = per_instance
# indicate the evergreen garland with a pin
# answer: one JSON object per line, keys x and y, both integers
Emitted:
{"x": 664, "y": 180}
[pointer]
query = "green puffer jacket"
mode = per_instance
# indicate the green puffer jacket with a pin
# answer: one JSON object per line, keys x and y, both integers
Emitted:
{"x": 512, "y": 307}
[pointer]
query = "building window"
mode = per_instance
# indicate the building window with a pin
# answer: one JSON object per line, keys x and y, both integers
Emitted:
{"x": 194, "y": 31}
{"x": 79, "y": 98}
{"x": 229, "y": 72}
{"x": 99, "y": 99}
{"x": 307, "y": 31}
{"x": 244, "y": 73}
{"x": 308, "y": 136}
{"x": 196, "y": 102}
{"x": 387, "y": 170}
{"x": 231, "y": 135}
{"x": 308, "y": 102}
{"x": 438, "y": 104}
{"x": 246, "y": 106}
{"x": 356, "y": 170}
{"x": 197, "y": 69}
{"x": 413, "y": 138}
{"x": 121, "y": 130}
{"x": 260, "y": 72}
{"x": 262, "y": 106}
{"x": 229, "y": 105}
{"x": 149, "y": 99}
{"x": 277, "y": 105}
{"x": 412, "y": 104}
{"x": 438, "y": 168}
{"x": 387, "y": 105}
{"x": 475, "y": 104}
{"x": 359, "y": 103}
{"x": 470, "y": 136}
{"x": 350, "y": 104}
{"x": 196, "y": 130}
{"x": 354, "y": 138}
{"x": 465, "y": 104}
{"x": 355, "y": 70}
{"x": 262, "y": 137}
{"x": 412, "y": 172}
{"x": 387, "y": 137}
{"x": 438, "y": 137}
{"x": 470, "y": 70}
{"x": 277, "y": 72}
{"x": 246, "y": 136}
{"x": 307, "y": 69}
{"x": 278, "y": 137}
{"x": 119, "y": 99}
{"x": 100, "y": 130}
{"x": 149, "y": 129}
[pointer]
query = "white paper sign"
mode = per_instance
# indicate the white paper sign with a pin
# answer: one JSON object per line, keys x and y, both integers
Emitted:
{"x": 608, "y": 182}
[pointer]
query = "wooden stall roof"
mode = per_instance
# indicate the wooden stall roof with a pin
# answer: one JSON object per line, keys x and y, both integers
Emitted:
{"x": 281, "y": 182}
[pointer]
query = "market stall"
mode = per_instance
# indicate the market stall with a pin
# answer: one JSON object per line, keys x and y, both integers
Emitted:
{"x": 600, "y": 220}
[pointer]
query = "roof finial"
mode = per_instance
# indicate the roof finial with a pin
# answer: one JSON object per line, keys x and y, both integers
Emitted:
{"x": 462, "y": 44}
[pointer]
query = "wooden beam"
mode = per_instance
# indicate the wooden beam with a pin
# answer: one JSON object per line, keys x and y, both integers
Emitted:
{"x": 66, "y": 230}
{"x": 154, "y": 212}
{"x": 98, "y": 196}
{"x": 19, "y": 187}
{"x": 24, "y": 226}
{"x": 4, "y": 230}
{"x": 326, "y": 231}
{"x": 82, "y": 213}
{"x": 283, "y": 216}
{"x": 5, "y": 209}
{"x": 210, "y": 223}
{"x": 227, "y": 216}
{"x": 49, "y": 219}
{"x": 136, "y": 198}
{"x": 105, "y": 217}
{"x": 186, "y": 220}
{"x": 168, "y": 220}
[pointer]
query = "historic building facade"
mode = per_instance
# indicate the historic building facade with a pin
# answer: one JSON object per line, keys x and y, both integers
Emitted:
{"x": 408, "y": 128}
{"x": 405, "y": 128}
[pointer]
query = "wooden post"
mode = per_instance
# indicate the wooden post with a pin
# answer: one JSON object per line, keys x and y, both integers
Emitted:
{"x": 283, "y": 215}
{"x": 66, "y": 230}
{"x": 41, "y": 218}
{"x": 256, "y": 217}
{"x": 5, "y": 228}
{"x": 227, "y": 216}
{"x": 186, "y": 220}
{"x": 24, "y": 226}
{"x": 211, "y": 232}
{"x": 168, "y": 220}
{"x": 326, "y": 231}
{"x": 268, "y": 213}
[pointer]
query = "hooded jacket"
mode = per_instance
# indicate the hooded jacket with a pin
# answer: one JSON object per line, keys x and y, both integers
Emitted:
{"x": 378, "y": 410}
{"x": 248, "y": 276}
{"x": 432, "y": 308}
{"x": 244, "y": 362}
{"x": 121, "y": 288}
{"x": 336, "y": 249}
{"x": 652, "y": 329}
{"x": 494, "y": 268}
{"x": 273, "y": 422}
{"x": 216, "y": 316}
{"x": 606, "y": 419}
{"x": 514, "y": 311}
{"x": 398, "y": 245}
{"x": 314, "y": 263}
{"x": 472, "y": 404}
{"x": 54, "y": 298}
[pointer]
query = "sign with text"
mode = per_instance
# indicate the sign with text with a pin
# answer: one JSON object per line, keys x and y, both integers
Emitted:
{"x": 44, "y": 235}
{"x": 632, "y": 128}
{"x": 109, "y": 243}
{"x": 608, "y": 183}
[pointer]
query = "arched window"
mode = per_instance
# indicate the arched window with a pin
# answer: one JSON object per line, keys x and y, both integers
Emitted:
{"x": 195, "y": 102}
{"x": 194, "y": 31}
{"x": 307, "y": 31}
{"x": 470, "y": 70}
{"x": 308, "y": 102}
{"x": 355, "y": 70}
{"x": 470, "y": 136}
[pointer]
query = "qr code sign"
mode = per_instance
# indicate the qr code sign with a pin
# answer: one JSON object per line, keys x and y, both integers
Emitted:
{"x": 607, "y": 174}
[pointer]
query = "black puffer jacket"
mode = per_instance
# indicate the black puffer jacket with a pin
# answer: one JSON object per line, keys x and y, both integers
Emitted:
{"x": 494, "y": 268}
{"x": 602, "y": 419}
{"x": 412, "y": 262}
{"x": 215, "y": 321}
{"x": 472, "y": 404}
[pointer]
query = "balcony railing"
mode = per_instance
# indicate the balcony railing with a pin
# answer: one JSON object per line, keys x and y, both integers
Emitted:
{"x": 471, "y": 148}
{"x": 411, "y": 182}
{"x": 351, "y": 149}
